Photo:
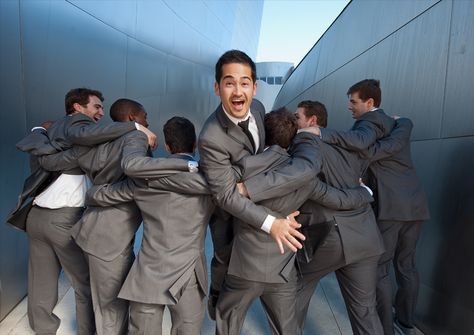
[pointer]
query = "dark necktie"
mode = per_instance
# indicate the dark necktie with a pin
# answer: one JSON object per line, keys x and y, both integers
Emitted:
{"x": 245, "y": 127}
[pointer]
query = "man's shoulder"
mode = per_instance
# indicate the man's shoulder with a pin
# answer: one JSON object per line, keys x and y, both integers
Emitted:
{"x": 211, "y": 127}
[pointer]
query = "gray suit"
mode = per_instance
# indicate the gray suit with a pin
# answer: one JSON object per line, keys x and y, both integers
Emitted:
{"x": 256, "y": 267}
{"x": 352, "y": 247}
{"x": 50, "y": 246}
{"x": 170, "y": 269}
{"x": 221, "y": 145}
{"x": 401, "y": 207}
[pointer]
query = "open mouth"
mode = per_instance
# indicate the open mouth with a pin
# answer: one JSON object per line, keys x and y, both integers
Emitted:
{"x": 238, "y": 104}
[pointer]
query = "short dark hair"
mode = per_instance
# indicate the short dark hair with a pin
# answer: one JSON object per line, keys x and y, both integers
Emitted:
{"x": 80, "y": 96}
{"x": 235, "y": 56}
{"x": 315, "y": 108}
{"x": 122, "y": 108}
{"x": 280, "y": 127}
{"x": 180, "y": 135}
{"x": 367, "y": 88}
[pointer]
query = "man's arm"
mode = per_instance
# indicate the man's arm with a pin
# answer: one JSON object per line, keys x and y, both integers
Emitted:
{"x": 37, "y": 143}
{"x": 275, "y": 158}
{"x": 82, "y": 130}
{"x": 392, "y": 144}
{"x": 183, "y": 182}
{"x": 363, "y": 134}
{"x": 305, "y": 164}
{"x": 60, "y": 161}
{"x": 340, "y": 199}
{"x": 110, "y": 194}
{"x": 137, "y": 164}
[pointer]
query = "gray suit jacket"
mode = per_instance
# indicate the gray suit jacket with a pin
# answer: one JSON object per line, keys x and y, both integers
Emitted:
{"x": 174, "y": 225}
{"x": 339, "y": 168}
{"x": 399, "y": 193}
{"x": 255, "y": 256}
{"x": 221, "y": 145}
{"x": 69, "y": 130}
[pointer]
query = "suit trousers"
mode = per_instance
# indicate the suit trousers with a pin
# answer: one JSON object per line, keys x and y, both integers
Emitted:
{"x": 357, "y": 281}
{"x": 50, "y": 249}
{"x": 186, "y": 316}
{"x": 278, "y": 300}
{"x": 111, "y": 312}
{"x": 222, "y": 233}
{"x": 400, "y": 238}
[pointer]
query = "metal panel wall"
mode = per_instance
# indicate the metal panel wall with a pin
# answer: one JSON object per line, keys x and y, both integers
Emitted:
{"x": 161, "y": 53}
{"x": 422, "y": 51}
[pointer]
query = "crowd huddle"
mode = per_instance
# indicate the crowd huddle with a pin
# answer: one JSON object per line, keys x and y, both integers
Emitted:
{"x": 287, "y": 200}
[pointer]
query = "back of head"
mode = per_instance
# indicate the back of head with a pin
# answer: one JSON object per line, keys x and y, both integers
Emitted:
{"x": 280, "y": 127}
{"x": 122, "y": 109}
{"x": 81, "y": 97}
{"x": 317, "y": 109}
{"x": 367, "y": 88}
{"x": 180, "y": 135}
{"x": 235, "y": 56}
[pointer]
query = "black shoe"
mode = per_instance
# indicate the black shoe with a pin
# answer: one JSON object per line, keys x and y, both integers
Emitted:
{"x": 211, "y": 304}
{"x": 403, "y": 329}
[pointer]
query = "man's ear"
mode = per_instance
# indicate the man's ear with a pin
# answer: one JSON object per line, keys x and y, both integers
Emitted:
{"x": 194, "y": 147}
{"x": 77, "y": 107}
{"x": 370, "y": 103}
{"x": 313, "y": 121}
{"x": 216, "y": 89}
{"x": 168, "y": 149}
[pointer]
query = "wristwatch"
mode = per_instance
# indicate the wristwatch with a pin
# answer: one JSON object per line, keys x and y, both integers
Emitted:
{"x": 193, "y": 166}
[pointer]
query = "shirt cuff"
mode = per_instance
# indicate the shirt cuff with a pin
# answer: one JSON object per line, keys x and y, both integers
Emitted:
{"x": 34, "y": 128}
{"x": 368, "y": 189}
{"x": 137, "y": 125}
{"x": 267, "y": 224}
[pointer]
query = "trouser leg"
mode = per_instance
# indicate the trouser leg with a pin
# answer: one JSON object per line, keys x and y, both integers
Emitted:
{"x": 107, "y": 278}
{"x": 358, "y": 283}
{"x": 389, "y": 231}
{"x": 328, "y": 257}
{"x": 188, "y": 314}
{"x": 75, "y": 266}
{"x": 43, "y": 273}
{"x": 279, "y": 302}
{"x": 406, "y": 273}
{"x": 222, "y": 234}
{"x": 234, "y": 301}
{"x": 145, "y": 319}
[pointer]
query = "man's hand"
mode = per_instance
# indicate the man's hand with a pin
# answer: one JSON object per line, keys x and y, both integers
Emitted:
{"x": 47, "y": 124}
{"x": 284, "y": 232}
{"x": 313, "y": 130}
{"x": 152, "y": 139}
{"x": 242, "y": 190}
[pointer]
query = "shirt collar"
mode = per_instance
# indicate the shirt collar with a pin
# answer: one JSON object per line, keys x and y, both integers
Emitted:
{"x": 236, "y": 120}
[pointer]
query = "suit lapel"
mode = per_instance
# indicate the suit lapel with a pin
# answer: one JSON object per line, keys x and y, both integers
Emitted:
{"x": 232, "y": 130}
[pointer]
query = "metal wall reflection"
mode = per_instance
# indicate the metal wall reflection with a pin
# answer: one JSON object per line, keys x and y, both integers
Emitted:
{"x": 161, "y": 53}
{"x": 422, "y": 51}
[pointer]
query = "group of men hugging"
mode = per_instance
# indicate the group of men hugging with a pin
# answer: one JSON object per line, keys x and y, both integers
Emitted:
{"x": 281, "y": 193}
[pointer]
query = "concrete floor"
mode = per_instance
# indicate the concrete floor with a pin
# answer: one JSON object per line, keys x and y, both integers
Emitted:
{"x": 327, "y": 313}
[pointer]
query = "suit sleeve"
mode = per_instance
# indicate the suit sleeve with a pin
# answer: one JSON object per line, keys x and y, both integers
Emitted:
{"x": 363, "y": 134}
{"x": 63, "y": 160}
{"x": 83, "y": 130}
{"x": 217, "y": 168}
{"x": 110, "y": 194}
{"x": 392, "y": 144}
{"x": 37, "y": 143}
{"x": 344, "y": 199}
{"x": 252, "y": 165}
{"x": 137, "y": 164}
{"x": 304, "y": 166}
{"x": 184, "y": 183}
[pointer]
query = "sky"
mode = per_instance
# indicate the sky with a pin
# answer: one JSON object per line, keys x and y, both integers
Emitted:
{"x": 291, "y": 28}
